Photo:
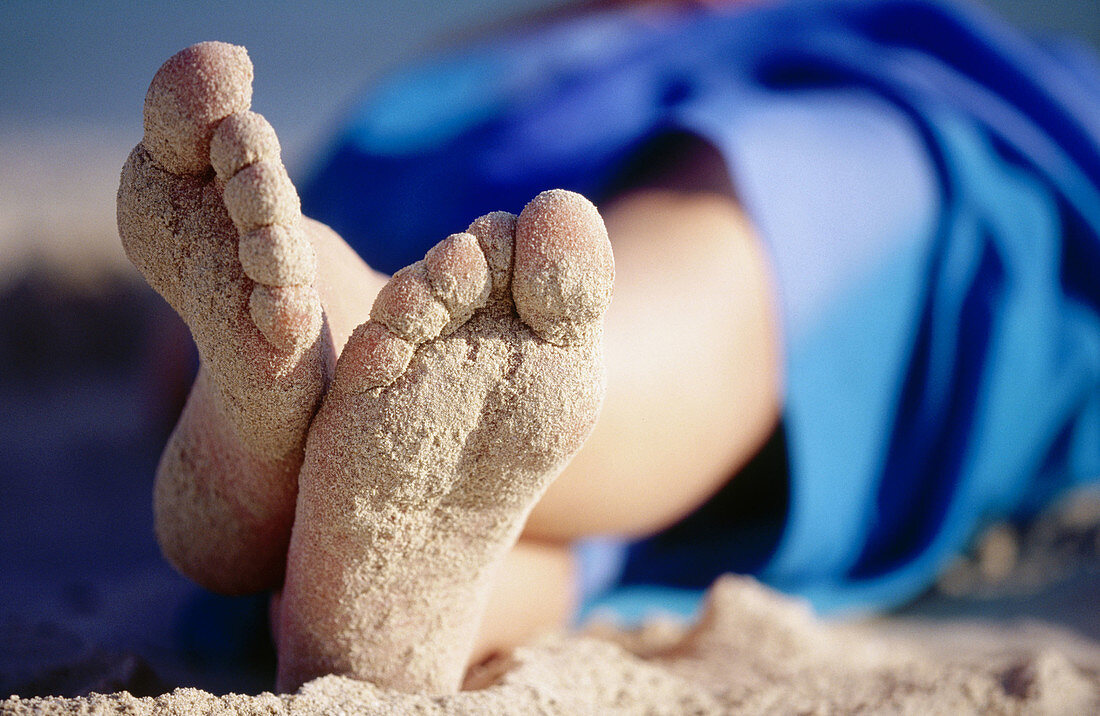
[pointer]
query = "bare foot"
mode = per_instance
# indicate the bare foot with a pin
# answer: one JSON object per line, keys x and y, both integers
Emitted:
{"x": 208, "y": 215}
{"x": 452, "y": 409}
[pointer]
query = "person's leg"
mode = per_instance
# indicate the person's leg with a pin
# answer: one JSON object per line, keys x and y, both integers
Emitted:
{"x": 691, "y": 347}
{"x": 693, "y": 355}
{"x": 208, "y": 216}
{"x": 534, "y": 593}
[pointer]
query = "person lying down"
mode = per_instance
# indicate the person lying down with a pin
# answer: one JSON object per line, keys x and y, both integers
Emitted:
{"x": 404, "y": 460}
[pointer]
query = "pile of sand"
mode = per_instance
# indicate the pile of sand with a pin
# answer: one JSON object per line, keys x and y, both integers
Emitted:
{"x": 753, "y": 651}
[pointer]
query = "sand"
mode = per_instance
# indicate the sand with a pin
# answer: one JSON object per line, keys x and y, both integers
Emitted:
{"x": 752, "y": 651}
{"x": 996, "y": 650}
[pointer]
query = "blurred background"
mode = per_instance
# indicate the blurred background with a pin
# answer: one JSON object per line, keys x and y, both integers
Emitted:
{"x": 82, "y": 417}
{"x": 73, "y": 76}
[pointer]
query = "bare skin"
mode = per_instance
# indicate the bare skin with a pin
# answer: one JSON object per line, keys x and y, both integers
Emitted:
{"x": 693, "y": 288}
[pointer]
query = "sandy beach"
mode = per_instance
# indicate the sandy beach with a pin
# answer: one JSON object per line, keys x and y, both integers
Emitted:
{"x": 751, "y": 652}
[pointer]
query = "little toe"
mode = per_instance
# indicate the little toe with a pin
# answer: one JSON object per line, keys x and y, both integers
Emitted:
{"x": 373, "y": 357}
{"x": 563, "y": 269}
{"x": 286, "y": 315}
{"x": 408, "y": 306}
{"x": 191, "y": 92}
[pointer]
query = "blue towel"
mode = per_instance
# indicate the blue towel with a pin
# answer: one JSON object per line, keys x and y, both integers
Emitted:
{"x": 927, "y": 180}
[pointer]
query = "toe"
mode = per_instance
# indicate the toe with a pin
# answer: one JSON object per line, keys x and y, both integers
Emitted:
{"x": 496, "y": 233}
{"x": 373, "y": 357}
{"x": 260, "y": 195}
{"x": 407, "y": 305}
{"x": 273, "y": 249}
{"x": 459, "y": 275}
{"x": 278, "y": 256}
{"x": 287, "y": 316}
{"x": 563, "y": 269}
{"x": 241, "y": 139}
{"x": 193, "y": 91}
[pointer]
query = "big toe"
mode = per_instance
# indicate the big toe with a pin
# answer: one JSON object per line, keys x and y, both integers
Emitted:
{"x": 191, "y": 92}
{"x": 563, "y": 268}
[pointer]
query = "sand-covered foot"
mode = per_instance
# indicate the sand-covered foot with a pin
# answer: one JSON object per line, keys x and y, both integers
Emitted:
{"x": 478, "y": 376}
{"x": 207, "y": 213}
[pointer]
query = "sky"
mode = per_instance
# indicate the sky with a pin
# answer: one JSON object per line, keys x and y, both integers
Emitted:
{"x": 86, "y": 66}
{"x": 78, "y": 65}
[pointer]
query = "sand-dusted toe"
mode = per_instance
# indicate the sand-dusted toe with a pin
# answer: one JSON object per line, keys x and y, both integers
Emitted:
{"x": 563, "y": 268}
{"x": 261, "y": 194}
{"x": 459, "y": 275}
{"x": 373, "y": 357}
{"x": 241, "y": 139}
{"x": 409, "y": 307}
{"x": 285, "y": 314}
{"x": 193, "y": 91}
{"x": 423, "y": 301}
{"x": 273, "y": 249}
{"x": 496, "y": 234}
{"x": 278, "y": 256}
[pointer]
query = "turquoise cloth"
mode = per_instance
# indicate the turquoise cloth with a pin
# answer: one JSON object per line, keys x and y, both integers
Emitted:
{"x": 928, "y": 183}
